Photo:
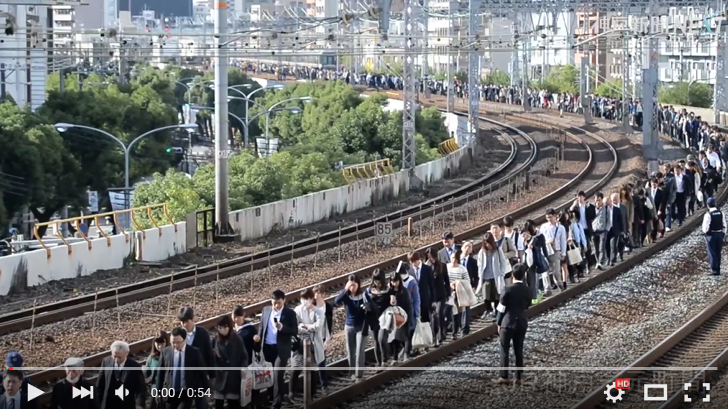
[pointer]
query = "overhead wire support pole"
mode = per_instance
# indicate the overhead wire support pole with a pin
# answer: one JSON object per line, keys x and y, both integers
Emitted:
{"x": 719, "y": 98}
{"x": 425, "y": 38}
{"x": 222, "y": 149}
{"x": 473, "y": 69}
{"x": 453, "y": 7}
{"x": 412, "y": 11}
{"x": 583, "y": 91}
{"x": 524, "y": 72}
{"x": 650, "y": 105}
{"x": 625, "y": 76}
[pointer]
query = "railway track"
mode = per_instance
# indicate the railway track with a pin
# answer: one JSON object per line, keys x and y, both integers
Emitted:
{"x": 45, "y": 379}
{"x": 53, "y": 312}
{"x": 700, "y": 343}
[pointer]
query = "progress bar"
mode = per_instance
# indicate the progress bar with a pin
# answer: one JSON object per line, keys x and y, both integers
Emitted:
{"x": 408, "y": 368}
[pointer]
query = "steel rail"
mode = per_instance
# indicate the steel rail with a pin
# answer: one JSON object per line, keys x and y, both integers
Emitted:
{"x": 45, "y": 378}
{"x": 53, "y": 312}
{"x": 698, "y": 332}
{"x": 480, "y": 330}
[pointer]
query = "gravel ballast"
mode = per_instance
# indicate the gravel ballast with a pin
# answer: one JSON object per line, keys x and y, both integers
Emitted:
{"x": 609, "y": 326}
{"x": 91, "y": 334}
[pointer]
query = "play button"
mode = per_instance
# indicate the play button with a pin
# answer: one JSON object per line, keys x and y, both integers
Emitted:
{"x": 33, "y": 392}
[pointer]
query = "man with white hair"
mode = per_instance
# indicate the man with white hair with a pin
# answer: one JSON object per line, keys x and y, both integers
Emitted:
{"x": 123, "y": 374}
{"x": 62, "y": 396}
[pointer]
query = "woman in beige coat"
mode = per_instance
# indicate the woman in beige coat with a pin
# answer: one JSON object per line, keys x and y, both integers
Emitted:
{"x": 492, "y": 268}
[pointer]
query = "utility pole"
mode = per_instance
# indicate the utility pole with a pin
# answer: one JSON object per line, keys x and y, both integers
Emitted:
{"x": 719, "y": 98}
{"x": 412, "y": 11}
{"x": 473, "y": 68}
{"x": 222, "y": 149}
{"x": 650, "y": 136}
{"x": 625, "y": 78}
{"x": 452, "y": 9}
{"x": 583, "y": 91}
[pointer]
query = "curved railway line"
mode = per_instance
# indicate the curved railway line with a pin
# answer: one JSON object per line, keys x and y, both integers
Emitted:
{"x": 701, "y": 343}
{"x": 582, "y": 181}
{"x": 515, "y": 164}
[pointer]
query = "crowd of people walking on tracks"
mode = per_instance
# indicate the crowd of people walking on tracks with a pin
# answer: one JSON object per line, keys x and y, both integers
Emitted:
{"x": 601, "y": 107}
{"x": 423, "y": 303}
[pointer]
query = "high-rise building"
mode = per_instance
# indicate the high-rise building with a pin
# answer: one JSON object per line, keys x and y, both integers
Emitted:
{"x": 166, "y": 8}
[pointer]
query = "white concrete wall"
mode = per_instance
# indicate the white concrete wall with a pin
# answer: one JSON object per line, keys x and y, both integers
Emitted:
{"x": 36, "y": 267}
{"x": 258, "y": 221}
{"x": 162, "y": 243}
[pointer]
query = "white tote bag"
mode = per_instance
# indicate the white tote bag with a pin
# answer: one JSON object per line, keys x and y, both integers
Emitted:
{"x": 422, "y": 338}
{"x": 263, "y": 376}
{"x": 246, "y": 387}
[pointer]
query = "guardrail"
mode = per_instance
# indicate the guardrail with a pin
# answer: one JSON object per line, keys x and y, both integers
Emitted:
{"x": 96, "y": 217}
{"x": 368, "y": 170}
{"x": 448, "y": 147}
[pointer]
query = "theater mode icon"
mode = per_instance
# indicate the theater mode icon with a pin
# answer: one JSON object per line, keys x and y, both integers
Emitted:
{"x": 660, "y": 386}
{"x": 83, "y": 392}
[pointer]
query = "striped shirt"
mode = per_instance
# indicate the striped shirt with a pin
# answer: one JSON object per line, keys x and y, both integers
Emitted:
{"x": 457, "y": 273}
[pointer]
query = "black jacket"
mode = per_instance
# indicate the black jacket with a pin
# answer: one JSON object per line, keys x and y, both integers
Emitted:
{"x": 289, "y": 329}
{"x": 516, "y": 299}
{"x": 202, "y": 342}
{"x": 426, "y": 285}
{"x": 246, "y": 333}
{"x": 617, "y": 221}
{"x": 230, "y": 354}
{"x": 472, "y": 267}
{"x": 192, "y": 359}
{"x": 441, "y": 282}
{"x": 132, "y": 378}
{"x": 62, "y": 396}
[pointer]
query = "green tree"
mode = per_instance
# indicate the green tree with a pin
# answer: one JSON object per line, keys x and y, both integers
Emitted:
{"x": 695, "y": 94}
{"x": 36, "y": 169}
{"x": 561, "y": 78}
{"x": 610, "y": 89}
{"x": 125, "y": 111}
{"x": 174, "y": 188}
{"x": 498, "y": 78}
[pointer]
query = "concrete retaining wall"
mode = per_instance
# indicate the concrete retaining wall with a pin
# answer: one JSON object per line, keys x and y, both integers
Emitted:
{"x": 258, "y": 221}
{"x": 31, "y": 268}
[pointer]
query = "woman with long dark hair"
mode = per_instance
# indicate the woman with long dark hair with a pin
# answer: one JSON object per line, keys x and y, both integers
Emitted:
{"x": 492, "y": 269}
{"x": 378, "y": 297}
{"x": 159, "y": 342}
{"x": 536, "y": 259}
{"x": 457, "y": 273}
{"x": 230, "y": 356}
{"x": 442, "y": 293}
{"x": 352, "y": 297}
{"x": 400, "y": 340}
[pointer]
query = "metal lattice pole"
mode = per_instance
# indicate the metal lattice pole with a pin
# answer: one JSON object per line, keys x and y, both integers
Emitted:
{"x": 452, "y": 9}
{"x": 583, "y": 98}
{"x": 524, "y": 83}
{"x": 411, "y": 17}
{"x": 625, "y": 80}
{"x": 473, "y": 68}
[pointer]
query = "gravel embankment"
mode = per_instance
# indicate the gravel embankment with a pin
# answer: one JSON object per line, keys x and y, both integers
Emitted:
{"x": 93, "y": 333}
{"x": 494, "y": 153}
{"x": 610, "y": 326}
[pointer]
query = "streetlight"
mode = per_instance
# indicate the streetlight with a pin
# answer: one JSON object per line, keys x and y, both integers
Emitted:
{"x": 246, "y": 123}
{"x": 272, "y": 108}
{"x": 248, "y": 100}
{"x": 63, "y": 127}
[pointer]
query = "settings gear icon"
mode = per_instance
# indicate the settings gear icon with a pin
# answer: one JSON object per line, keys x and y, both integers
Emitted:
{"x": 608, "y": 392}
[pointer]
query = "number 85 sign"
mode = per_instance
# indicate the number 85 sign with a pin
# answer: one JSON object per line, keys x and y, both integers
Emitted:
{"x": 383, "y": 232}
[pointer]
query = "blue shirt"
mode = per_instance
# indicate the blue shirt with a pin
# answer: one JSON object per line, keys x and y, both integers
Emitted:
{"x": 271, "y": 336}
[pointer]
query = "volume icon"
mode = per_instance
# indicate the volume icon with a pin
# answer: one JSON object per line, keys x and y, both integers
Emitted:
{"x": 121, "y": 392}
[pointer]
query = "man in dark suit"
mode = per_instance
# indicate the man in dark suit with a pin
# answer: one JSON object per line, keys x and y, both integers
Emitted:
{"x": 117, "y": 370}
{"x": 614, "y": 235}
{"x": 14, "y": 396}
{"x": 512, "y": 323}
{"x": 199, "y": 338}
{"x": 278, "y": 325}
{"x": 62, "y": 396}
{"x": 587, "y": 213}
{"x": 655, "y": 195}
{"x": 177, "y": 361}
{"x": 448, "y": 248}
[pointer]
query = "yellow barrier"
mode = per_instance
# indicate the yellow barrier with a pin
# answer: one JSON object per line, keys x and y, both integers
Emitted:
{"x": 448, "y": 147}
{"x": 95, "y": 217}
{"x": 368, "y": 170}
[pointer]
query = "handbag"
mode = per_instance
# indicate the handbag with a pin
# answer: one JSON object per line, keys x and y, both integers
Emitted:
{"x": 399, "y": 319}
{"x": 422, "y": 338}
{"x": 573, "y": 255}
{"x": 247, "y": 379}
{"x": 263, "y": 376}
